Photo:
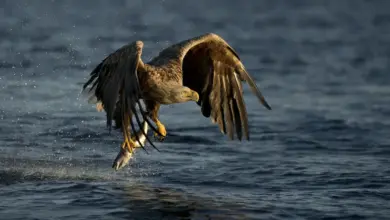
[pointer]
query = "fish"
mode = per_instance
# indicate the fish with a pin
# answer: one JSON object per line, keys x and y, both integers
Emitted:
{"x": 124, "y": 155}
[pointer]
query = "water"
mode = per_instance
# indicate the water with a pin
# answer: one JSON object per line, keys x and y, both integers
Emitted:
{"x": 321, "y": 153}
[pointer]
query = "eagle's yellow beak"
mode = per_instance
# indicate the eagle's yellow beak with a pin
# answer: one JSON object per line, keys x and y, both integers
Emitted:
{"x": 195, "y": 96}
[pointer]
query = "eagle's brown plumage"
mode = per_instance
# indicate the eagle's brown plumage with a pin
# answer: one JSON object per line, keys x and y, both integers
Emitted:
{"x": 204, "y": 69}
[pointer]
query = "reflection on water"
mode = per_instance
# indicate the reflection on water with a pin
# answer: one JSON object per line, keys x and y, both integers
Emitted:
{"x": 166, "y": 203}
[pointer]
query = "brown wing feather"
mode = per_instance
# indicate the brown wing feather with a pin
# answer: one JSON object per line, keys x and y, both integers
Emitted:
{"x": 213, "y": 69}
{"x": 115, "y": 83}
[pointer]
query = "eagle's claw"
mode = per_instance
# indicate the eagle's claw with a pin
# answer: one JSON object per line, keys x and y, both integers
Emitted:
{"x": 159, "y": 137}
{"x": 99, "y": 107}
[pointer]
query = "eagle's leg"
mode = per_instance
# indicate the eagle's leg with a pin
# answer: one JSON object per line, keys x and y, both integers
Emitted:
{"x": 127, "y": 144}
{"x": 153, "y": 108}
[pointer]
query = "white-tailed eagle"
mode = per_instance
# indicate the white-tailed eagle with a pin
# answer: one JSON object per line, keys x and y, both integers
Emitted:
{"x": 204, "y": 69}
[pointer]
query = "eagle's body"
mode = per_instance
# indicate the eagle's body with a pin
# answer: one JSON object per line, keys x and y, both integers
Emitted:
{"x": 204, "y": 69}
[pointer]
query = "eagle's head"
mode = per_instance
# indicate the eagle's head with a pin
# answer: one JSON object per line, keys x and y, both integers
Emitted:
{"x": 180, "y": 94}
{"x": 185, "y": 94}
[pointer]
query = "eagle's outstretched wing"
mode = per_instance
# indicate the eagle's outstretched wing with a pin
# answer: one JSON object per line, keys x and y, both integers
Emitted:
{"x": 115, "y": 81}
{"x": 213, "y": 69}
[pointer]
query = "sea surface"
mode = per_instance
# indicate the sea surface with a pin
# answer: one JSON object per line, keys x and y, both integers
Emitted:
{"x": 323, "y": 152}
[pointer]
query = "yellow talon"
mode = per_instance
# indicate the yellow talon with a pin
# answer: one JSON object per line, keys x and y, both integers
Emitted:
{"x": 99, "y": 107}
{"x": 128, "y": 145}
